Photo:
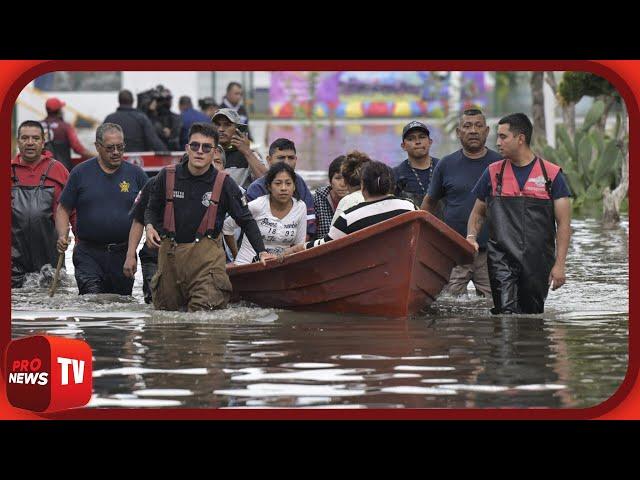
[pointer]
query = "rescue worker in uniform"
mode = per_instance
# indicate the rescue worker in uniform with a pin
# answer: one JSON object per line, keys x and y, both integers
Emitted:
{"x": 526, "y": 201}
{"x": 102, "y": 190}
{"x": 149, "y": 254}
{"x": 187, "y": 206}
{"x": 37, "y": 183}
{"x": 62, "y": 136}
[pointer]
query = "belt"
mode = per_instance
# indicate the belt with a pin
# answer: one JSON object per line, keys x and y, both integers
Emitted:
{"x": 107, "y": 247}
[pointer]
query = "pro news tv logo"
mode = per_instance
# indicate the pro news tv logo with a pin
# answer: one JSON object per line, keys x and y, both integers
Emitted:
{"x": 46, "y": 374}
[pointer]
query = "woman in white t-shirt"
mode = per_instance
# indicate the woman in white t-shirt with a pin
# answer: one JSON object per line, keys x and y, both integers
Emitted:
{"x": 281, "y": 218}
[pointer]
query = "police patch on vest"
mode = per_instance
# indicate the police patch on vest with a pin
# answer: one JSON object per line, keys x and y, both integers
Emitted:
{"x": 124, "y": 186}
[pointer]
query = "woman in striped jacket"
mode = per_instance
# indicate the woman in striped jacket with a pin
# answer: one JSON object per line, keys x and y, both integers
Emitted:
{"x": 379, "y": 205}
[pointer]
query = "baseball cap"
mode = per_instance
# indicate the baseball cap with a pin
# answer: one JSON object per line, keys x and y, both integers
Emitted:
{"x": 54, "y": 104}
{"x": 415, "y": 125}
{"x": 230, "y": 113}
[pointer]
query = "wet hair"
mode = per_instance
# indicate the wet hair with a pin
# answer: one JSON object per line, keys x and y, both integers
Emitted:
{"x": 185, "y": 101}
{"x": 518, "y": 123}
{"x": 125, "y": 97}
{"x": 377, "y": 178}
{"x": 274, "y": 170}
{"x": 352, "y": 166}
{"x": 107, "y": 127}
{"x": 31, "y": 123}
{"x": 231, "y": 85}
{"x": 334, "y": 166}
{"x": 206, "y": 129}
{"x": 281, "y": 144}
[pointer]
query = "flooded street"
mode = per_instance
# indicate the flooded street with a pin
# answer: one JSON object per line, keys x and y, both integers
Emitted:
{"x": 456, "y": 355}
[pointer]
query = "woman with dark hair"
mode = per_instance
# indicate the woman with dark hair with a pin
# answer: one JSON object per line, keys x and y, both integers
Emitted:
{"x": 326, "y": 199}
{"x": 379, "y": 204}
{"x": 350, "y": 169}
{"x": 281, "y": 218}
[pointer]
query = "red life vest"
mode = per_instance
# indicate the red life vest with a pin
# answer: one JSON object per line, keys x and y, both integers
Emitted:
{"x": 208, "y": 222}
{"x": 538, "y": 184}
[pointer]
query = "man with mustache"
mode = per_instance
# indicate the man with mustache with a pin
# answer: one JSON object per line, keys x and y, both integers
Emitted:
{"x": 37, "y": 183}
{"x": 102, "y": 191}
{"x": 453, "y": 179}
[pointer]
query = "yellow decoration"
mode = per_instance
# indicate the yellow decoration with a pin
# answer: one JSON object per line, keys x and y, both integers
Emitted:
{"x": 402, "y": 109}
{"x": 353, "y": 110}
{"x": 124, "y": 186}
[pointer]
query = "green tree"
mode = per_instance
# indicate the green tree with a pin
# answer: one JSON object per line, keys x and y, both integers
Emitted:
{"x": 596, "y": 162}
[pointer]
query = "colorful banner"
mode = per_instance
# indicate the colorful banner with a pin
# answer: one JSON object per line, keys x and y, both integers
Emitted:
{"x": 374, "y": 94}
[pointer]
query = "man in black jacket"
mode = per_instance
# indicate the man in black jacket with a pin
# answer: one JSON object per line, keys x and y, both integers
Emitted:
{"x": 138, "y": 131}
{"x": 184, "y": 217}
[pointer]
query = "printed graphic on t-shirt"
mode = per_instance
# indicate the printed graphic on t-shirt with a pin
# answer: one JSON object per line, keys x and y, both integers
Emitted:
{"x": 124, "y": 186}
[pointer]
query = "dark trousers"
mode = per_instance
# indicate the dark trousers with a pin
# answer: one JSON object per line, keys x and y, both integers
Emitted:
{"x": 98, "y": 270}
{"x": 149, "y": 262}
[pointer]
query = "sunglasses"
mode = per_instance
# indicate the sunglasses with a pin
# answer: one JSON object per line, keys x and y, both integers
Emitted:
{"x": 206, "y": 147}
{"x": 113, "y": 148}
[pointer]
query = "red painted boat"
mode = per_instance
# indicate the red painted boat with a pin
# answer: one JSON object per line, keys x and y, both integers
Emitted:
{"x": 391, "y": 269}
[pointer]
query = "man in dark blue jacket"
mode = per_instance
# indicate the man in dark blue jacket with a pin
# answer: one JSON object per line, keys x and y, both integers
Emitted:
{"x": 137, "y": 129}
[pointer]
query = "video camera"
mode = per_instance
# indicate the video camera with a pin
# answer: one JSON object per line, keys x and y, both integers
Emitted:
{"x": 159, "y": 93}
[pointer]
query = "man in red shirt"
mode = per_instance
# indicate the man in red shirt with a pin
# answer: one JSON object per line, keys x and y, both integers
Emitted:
{"x": 37, "y": 183}
{"x": 63, "y": 137}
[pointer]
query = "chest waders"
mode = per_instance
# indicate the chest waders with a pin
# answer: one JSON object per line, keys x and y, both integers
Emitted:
{"x": 522, "y": 231}
{"x": 191, "y": 275}
{"x": 33, "y": 232}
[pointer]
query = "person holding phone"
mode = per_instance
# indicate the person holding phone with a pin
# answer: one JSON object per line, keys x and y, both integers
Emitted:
{"x": 243, "y": 164}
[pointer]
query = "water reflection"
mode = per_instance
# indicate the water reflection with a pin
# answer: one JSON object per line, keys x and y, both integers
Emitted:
{"x": 455, "y": 355}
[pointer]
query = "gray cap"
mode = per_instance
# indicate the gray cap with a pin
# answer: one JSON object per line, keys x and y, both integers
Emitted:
{"x": 229, "y": 113}
{"x": 415, "y": 125}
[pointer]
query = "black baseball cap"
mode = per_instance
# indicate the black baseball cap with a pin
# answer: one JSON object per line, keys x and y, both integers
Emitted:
{"x": 415, "y": 125}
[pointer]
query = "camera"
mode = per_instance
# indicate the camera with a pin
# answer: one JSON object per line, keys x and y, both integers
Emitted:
{"x": 242, "y": 128}
{"x": 158, "y": 93}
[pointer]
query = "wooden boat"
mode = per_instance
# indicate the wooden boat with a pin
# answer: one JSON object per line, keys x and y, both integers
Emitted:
{"x": 391, "y": 269}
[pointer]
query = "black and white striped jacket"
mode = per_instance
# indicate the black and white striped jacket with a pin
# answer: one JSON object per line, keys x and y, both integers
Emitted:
{"x": 364, "y": 215}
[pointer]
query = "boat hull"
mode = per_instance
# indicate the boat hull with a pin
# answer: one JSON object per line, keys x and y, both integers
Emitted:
{"x": 391, "y": 269}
